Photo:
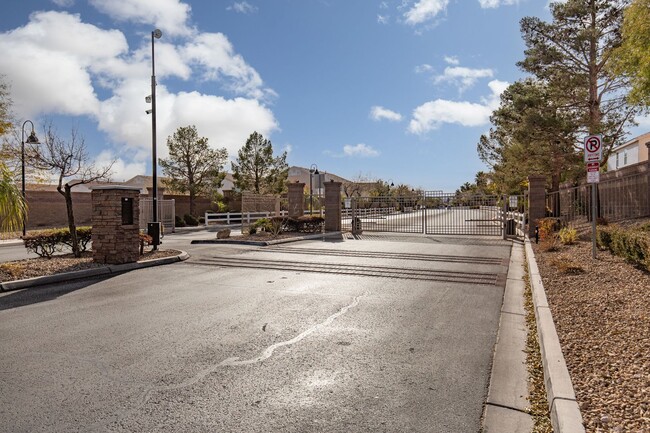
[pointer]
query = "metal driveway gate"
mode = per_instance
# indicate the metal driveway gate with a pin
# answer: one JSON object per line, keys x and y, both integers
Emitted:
{"x": 434, "y": 213}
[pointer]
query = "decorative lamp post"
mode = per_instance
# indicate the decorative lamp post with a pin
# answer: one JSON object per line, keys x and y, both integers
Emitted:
{"x": 156, "y": 34}
{"x": 32, "y": 139}
{"x": 313, "y": 169}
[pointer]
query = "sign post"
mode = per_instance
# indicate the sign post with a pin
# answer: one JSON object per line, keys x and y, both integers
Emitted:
{"x": 593, "y": 157}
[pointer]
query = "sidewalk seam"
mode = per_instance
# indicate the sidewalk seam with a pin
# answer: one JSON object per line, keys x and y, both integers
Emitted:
{"x": 503, "y": 406}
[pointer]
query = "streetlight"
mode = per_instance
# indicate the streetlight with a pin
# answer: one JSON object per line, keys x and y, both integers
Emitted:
{"x": 32, "y": 139}
{"x": 155, "y": 234}
{"x": 313, "y": 169}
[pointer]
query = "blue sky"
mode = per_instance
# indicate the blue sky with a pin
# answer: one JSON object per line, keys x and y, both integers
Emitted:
{"x": 398, "y": 90}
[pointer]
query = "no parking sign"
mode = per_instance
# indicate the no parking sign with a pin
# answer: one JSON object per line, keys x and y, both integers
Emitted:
{"x": 594, "y": 148}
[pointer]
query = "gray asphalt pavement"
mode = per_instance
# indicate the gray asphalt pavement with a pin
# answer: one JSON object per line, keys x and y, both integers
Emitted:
{"x": 381, "y": 334}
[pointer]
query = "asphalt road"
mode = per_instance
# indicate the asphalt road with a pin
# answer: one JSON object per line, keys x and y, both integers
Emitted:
{"x": 383, "y": 334}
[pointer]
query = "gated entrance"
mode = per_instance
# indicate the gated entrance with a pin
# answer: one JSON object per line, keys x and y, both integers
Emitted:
{"x": 436, "y": 213}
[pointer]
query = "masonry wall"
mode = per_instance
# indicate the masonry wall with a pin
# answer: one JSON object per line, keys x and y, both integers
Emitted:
{"x": 47, "y": 209}
{"x": 113, "y": 241}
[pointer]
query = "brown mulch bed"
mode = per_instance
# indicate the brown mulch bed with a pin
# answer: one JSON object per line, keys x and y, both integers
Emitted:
{"x": 266, "y": 236}
{"x": 601, "y": 309}
{"x": 38, "y": 267}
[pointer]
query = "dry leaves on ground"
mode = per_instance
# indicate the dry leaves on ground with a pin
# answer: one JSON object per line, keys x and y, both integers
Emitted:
{"x": 601, "y": 309}
{"x": 38, "y": 267}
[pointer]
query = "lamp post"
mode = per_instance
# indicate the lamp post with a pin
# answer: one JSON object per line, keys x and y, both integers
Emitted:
{"x": 32, "y": 139}
{"x": 313, "y": 169}
{"x": 156, "y": 34}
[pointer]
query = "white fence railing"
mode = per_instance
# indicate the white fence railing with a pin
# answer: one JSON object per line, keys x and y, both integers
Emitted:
{"x": 237, "y": 217}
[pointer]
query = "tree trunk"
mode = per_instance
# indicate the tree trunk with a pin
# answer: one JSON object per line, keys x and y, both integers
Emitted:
{"x": 192, "y": 196}
{"x": 71, "y": 224}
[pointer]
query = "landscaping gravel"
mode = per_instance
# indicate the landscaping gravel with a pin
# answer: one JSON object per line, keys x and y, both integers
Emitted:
{"x": 601, "y": 309}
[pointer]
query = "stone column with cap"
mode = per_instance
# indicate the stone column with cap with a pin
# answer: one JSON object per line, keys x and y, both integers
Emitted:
{"x": 115, "y": 220}
{"x": 332, "y": 206}
{"x": 536, "y": 202}
{"x": 296, "y": 199}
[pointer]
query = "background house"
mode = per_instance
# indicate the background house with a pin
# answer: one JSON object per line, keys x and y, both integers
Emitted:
{"x": 630, "y": 153}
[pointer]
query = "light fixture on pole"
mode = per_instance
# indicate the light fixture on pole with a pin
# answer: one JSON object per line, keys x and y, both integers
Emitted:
{"x": 154, "y": 232}
{"x": 313, "y": 169}
{"x": 32, "y": 139}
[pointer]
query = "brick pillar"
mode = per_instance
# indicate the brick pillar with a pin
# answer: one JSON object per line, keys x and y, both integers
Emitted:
{"x": 296, "y": 199}
{"x": 536, "y": 201}
{"x": 332, "y": 206}
{"x": 115, "y": 219}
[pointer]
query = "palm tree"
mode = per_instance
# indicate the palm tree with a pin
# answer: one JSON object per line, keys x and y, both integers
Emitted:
{"x": 12, "y": 205}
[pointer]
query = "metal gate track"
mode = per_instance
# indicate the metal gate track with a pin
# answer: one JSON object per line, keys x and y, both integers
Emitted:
{"x": 387, "y": 255}
{"x": 367, "y": 271}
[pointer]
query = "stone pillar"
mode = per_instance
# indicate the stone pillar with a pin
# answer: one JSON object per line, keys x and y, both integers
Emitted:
{"x": 296, "y": 199}
{"x": 332, "y": 206}
{"x": 536, "y": 202}
{"x": 115, "y": 219}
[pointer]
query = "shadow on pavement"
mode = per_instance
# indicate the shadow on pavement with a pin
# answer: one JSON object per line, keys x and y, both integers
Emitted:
{"x": 35, "y": 295}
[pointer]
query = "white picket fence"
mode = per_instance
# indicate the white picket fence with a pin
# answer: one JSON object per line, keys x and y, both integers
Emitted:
{"x": 237, "y": 217}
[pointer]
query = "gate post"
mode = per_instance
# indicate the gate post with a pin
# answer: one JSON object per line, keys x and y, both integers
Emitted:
{"x": 296, "y": 199}
{"x": 115, "y": 225}
{"x": 536, "y": 202}
{"x": 504, "y": 216}
{"x": 332, "y": 206}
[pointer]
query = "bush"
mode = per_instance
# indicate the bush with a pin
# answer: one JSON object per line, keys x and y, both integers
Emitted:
{"x": 145, "y": 239}
{"x": 631, "y": 244}
{"x": 252, "y": 230}
{"x": 179, "y": 222}
{"x": 201, "y": 220}
{"x": 568, "y": 235}
{"x": 310, "y": 224}
{"x": 547, "y": 226}
{"x": 47, "y": 242}
{"x": 263, "y": 224}
{"x": 190, "y": 220}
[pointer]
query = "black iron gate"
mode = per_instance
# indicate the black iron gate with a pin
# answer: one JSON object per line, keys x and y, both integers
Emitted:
{"x": 435, "y": 213}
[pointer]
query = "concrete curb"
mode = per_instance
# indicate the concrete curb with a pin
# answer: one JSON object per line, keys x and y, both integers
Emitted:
{"x": 506, "y": 404}
{"x": 267, "y": 243}
{"x": 565, "y": 413}
{"x": 87, "y": 273}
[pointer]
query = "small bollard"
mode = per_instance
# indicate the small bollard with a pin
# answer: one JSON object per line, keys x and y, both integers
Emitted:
{"x": 536, "y": 234}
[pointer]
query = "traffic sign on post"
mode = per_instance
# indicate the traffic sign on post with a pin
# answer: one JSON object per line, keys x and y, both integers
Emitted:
{"x": 594, "y": 148}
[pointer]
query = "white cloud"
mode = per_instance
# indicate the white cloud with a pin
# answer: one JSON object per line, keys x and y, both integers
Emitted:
{"x": 242, "y": 7}
{"x": 361, "y": 149}
{"x": 462, "y": 77}
{"x": 53, "y": 67}
{"x": 431, "y": 115}
{"x": 487, "y": 4}
{"x": 121, "y": 170}
{"x": 383, "y": 5}
{"x": 383, "y": 19}
{"x": 58, "y": 46}
{"x": 214, "y": 53}
{"x": 452, "y": 60}
{"x": 63, "y": 3}
{"x": 170, "y": 16}
{"x": 378, "y": 113}
{"x": 423, "y": 68}
{"x": 425, "y": 10}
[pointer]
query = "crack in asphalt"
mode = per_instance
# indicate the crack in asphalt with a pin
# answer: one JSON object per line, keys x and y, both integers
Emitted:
{"x": 145, "y": 396}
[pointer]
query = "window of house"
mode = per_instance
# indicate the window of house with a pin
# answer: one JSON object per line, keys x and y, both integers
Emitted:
{"x": 625, "y": 158}
{"x": 617, "y": 155}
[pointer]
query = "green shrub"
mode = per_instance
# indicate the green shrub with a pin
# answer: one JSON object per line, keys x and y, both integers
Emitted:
{"x": 631, "y": 244}
{"x": 310, "y": 224}
{"x": 190, "y": 220}
{"x": 252, "y": 230}
{"x": 45, "y": 243}
{"x": 568, "y": 235}
{"x": 179, "y": 222}
{"x": 263, "y": 224}
{"x": 201, "y": 220}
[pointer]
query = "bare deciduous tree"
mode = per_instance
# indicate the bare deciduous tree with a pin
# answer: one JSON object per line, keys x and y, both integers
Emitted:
{"x": 68, "y": 161}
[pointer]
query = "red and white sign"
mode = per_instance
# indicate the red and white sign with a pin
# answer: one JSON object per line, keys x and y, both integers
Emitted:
{"x": 594, "y": 148}
{"x": 593, "y": 172}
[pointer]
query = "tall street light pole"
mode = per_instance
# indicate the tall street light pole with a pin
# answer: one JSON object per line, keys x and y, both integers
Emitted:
{"x": 313, "y": 169}
{"x": 32, "y": 139}
{"x": 156, "y": 34}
